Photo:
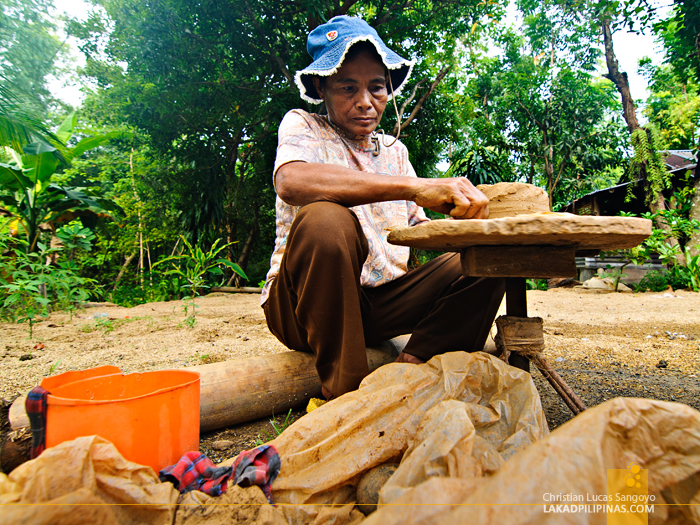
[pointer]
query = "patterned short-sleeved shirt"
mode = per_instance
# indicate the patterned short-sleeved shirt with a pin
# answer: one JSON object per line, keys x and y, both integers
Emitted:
{"x": 309, "y": 137}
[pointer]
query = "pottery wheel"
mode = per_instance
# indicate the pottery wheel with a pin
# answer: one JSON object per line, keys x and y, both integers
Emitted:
{"x": 554, "y": 229}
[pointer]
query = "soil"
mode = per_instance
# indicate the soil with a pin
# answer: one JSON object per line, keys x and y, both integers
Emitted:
{"x": 605, "y": 345}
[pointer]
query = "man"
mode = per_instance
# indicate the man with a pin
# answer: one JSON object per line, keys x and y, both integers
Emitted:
{"x": 335, "y": 283}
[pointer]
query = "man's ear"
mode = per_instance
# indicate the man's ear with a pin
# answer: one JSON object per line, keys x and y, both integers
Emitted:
{"x": 318, "y": 85}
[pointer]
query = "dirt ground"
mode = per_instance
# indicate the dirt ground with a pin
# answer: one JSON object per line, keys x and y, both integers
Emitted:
{"x": 605, "y": 345}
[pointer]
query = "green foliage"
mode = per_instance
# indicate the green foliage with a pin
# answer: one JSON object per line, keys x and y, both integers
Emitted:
{"x": 673, "y": 105}
{"x": 156, "y": 287}
{"x": 679, "y": 34}
{"x": 540, "y": 106}
{"x": 681, "y": 228}
{"x": 26, "y": 186}
{"x": 30, "y": 289}
{"x": 480, "y": 164}
{"x": 23, "y": 294}
{"x": 277, "y": 429}
{"x": 693, "y": 269}
{"x": 19, "y": 123}
{"x": 647, "y": 163}
{"x": 194, "y": 265}
{"x": 653, "y": 281}
{"x": 30, "y": 51}
{"x": 537, "y": 284}
{"x": 677, "y": 277}
{"x": 75, "y": 237}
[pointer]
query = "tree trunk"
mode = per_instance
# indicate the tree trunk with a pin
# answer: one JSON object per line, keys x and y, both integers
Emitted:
{"x": 148, "y": 252}
{"x": 619, "y": 78}
{"x": 694, "y": 241}
{"x": 629, "y": 112}
{"x": 548, "y": 167}
{"x": 123, "y": 270}
{"x": 138, "y": 204}
{"x": 245, "y": 254}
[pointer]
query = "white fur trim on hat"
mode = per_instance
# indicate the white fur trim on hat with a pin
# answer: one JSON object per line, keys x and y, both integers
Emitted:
{"x": 327, "y": 73}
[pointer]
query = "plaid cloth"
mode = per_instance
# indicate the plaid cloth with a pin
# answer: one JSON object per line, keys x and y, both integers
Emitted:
{"x": 36, "y": 410}
{"x": 195, "y": 471}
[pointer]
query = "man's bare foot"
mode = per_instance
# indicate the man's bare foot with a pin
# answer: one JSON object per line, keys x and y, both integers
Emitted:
{"x": 408, "y": 358}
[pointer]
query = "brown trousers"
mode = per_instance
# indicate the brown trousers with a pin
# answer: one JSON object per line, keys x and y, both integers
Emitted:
{"x": 317, "y": 305}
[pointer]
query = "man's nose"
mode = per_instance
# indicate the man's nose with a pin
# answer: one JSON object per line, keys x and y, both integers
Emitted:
{"x": 363, "y": 99}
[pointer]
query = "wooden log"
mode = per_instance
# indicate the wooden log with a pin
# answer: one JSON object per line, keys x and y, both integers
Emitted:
{"x": 15, "y": 446}
{"x": 233, "y": 392}
{"x": 15, "y": 449}
{"x": 537, "y": 262}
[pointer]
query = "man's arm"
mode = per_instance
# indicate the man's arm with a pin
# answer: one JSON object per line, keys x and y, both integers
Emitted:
{"x": 299, "y": 183}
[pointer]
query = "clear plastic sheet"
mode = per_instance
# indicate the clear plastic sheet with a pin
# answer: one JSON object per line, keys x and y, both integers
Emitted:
{"x": 661, "y": 437}
{"x": 474, "y": 448}
{"x": 458, "y": 415}
{"x": 470, "y": 436}
{"x": 70, "y": 479}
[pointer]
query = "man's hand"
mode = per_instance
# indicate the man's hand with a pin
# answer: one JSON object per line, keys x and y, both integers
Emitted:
{"x": 456, "y": 197}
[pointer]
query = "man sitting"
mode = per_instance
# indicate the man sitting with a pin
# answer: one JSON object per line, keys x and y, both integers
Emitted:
{"x": 335, "y": 283}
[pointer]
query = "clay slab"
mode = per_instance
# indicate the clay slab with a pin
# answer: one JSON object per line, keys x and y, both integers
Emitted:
{"x": 554, "y": 229}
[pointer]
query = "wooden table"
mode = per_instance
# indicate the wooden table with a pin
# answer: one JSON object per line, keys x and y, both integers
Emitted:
{"x": 539, "y": 246}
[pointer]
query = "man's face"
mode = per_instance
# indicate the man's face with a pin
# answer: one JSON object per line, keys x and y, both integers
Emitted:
{"x": 356, "y": 95}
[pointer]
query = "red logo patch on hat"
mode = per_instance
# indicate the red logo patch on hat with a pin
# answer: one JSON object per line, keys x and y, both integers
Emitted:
{"x": 332, "y": 35}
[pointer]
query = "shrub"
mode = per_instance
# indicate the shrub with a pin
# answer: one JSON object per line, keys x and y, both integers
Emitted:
{"x": 653, "y": 281}
{"x": 676, "y": 277}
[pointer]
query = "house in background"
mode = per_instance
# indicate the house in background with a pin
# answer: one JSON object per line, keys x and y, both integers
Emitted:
{"x": 611, "y": 201}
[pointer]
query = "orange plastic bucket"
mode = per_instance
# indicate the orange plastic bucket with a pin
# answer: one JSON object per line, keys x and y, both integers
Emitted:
{"x": 152, "y": 418}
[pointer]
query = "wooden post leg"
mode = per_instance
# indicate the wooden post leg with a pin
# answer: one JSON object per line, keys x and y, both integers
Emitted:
{"x": 516, "y": 306}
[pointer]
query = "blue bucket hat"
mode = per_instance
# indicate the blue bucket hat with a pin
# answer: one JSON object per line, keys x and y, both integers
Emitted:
{"x": 329, "y": 43}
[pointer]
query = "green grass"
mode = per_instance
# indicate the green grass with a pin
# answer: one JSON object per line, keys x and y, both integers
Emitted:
{"x": 106, "y": 325}
{"x": 277, "y": 429}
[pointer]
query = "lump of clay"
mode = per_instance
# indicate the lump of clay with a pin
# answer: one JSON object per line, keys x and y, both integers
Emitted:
{"x": 508, "y": 199}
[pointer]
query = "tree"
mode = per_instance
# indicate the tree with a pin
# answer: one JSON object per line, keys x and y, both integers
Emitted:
{"x": 29, "y": 52}
{"x": 209, "y": 82}
{"x": 19, "y": 125}
{"x": 540, "y": 102}
{"x": 646, "y": 166}
{"x": 680, "y": 34}
{"x": 673, "y": 106}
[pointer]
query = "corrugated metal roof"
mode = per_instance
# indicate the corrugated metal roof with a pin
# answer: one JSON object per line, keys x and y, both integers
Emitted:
{"x": 677, "y": 159}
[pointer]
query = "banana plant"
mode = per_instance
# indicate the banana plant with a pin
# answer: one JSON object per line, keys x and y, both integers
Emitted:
{"x": 27, "y": 191}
